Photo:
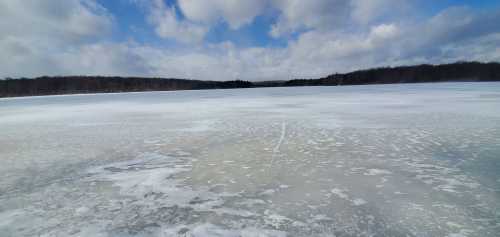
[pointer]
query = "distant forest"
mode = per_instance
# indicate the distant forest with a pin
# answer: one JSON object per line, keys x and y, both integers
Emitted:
{"x": 460, "y": 71}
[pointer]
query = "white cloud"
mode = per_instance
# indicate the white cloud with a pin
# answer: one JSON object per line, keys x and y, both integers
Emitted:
{"x": 452, "y": 26}
{"x": 311, "y": 14}
{"x": 365, "y": 12}
{"x": 320, "y": 52}
{"x": 54, "y": 19}
{"x": 334, "y": 15}
{"x": 384, "y": 31}
{"x": 120, "y": 59}
{"x": 167, "y": 25}
{"x": 67, "y": 37}
{"x": 198, "y": 16}
{"x": 32, "y": 32}
{"x": 235, "y": 12}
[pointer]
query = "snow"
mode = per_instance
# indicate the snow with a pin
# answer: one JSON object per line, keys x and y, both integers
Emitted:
{"x": 359, "y": 202}
{"x": 373, "y": 172}
{"x": 385, "y": 160}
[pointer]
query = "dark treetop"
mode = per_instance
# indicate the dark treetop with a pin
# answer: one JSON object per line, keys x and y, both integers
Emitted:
{"x": 460, "y": 71}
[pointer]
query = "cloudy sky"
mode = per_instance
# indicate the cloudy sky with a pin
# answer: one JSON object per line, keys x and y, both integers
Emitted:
{"x": 240, "y": 39}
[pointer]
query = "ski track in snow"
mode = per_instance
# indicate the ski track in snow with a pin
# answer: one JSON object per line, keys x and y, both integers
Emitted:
{"x": 276, "y": 149}
{"x": 282, "y": 137}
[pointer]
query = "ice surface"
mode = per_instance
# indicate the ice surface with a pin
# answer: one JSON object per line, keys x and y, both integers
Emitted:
{"x": 385, "y": 160}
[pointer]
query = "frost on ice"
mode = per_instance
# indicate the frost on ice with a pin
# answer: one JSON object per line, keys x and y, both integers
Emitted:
{"x": 392, "y": 160}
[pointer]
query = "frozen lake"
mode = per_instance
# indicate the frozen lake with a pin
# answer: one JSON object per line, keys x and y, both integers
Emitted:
{"x": 382, "y": 160}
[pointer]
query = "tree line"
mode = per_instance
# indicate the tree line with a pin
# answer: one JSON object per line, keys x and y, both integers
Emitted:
{"x": 460, "y": 71}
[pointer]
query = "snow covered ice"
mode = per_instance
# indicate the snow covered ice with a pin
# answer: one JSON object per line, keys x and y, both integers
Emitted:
{"x": 381, "y": 160}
